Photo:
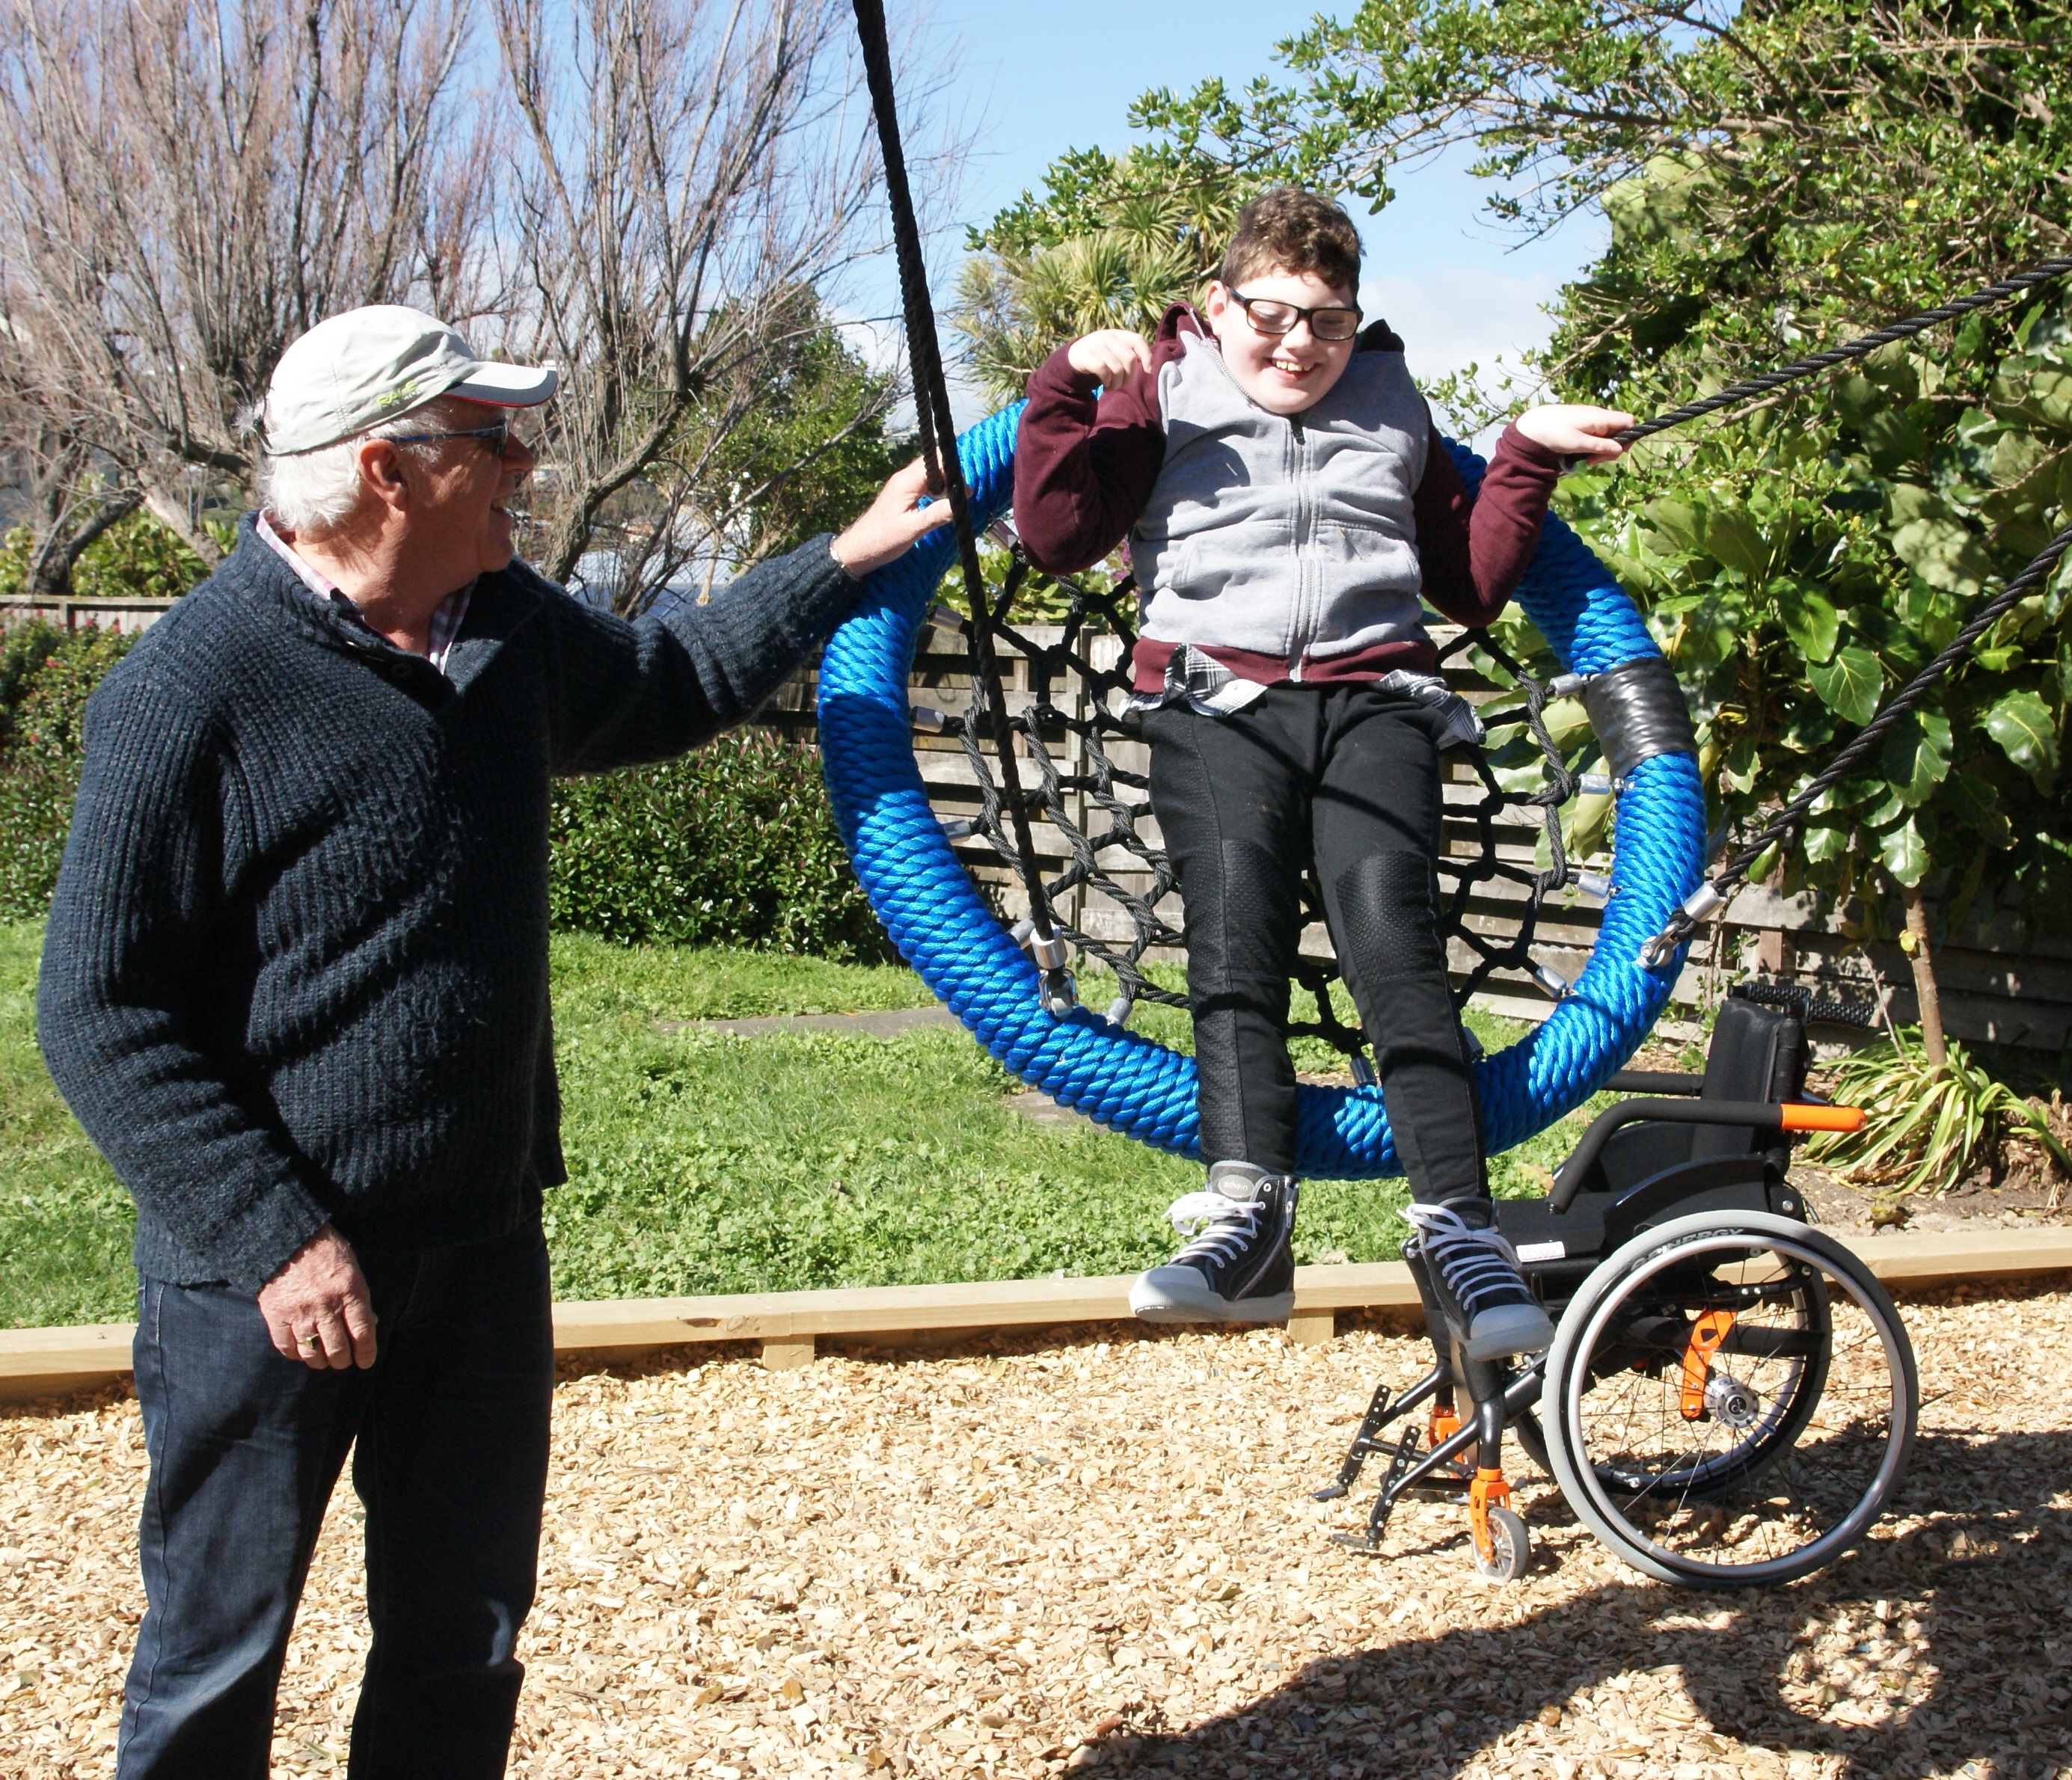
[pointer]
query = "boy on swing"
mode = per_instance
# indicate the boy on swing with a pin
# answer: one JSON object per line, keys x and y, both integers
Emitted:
{"x": 1287, "y": 500}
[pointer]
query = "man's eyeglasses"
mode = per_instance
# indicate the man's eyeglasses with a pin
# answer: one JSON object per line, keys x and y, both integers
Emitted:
{"x": 498, "y": 439}
{"x": 1332, "y": 322}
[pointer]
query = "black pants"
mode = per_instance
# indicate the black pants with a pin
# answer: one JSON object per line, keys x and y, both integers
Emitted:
{"x": 1347, "y": 777}
{"x": 451, "y": 1465}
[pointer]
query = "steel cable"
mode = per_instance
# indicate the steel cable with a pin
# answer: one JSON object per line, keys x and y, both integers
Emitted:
{"x": 1750, "y": 388}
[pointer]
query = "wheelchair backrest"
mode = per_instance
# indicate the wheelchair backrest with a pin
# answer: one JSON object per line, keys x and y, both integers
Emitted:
{"x": 1758, "y": 1053}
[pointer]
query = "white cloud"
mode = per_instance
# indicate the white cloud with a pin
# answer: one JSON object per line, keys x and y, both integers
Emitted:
{"x": 1452, "y": 316}
{"x": 881, "y": 344}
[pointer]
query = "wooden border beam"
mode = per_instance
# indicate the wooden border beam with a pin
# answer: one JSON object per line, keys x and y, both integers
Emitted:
{"x": 48, "y": 1362}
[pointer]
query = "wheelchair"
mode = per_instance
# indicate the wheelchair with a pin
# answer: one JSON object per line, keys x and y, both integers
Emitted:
{"x": 1730, "y": 1399}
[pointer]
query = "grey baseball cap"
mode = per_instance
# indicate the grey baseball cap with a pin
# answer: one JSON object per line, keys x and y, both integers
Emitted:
{"x": 368, "y": 365}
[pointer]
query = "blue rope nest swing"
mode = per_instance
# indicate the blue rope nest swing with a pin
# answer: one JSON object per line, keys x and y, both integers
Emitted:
{"x": 1133, "y": 1084}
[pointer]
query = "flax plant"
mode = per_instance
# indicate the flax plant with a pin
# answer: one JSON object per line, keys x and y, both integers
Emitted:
{"x": 1927, "y": 1124}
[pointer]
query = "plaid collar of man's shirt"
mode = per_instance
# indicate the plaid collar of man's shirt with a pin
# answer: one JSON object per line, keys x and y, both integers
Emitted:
{"x": 447, "y": 620}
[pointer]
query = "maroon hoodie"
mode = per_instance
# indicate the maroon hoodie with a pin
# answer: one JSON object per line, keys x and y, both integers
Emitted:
{"x": 1084, "y": 469}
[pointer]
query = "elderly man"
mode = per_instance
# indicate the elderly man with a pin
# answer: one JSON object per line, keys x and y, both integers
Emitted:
{"x": 295, "y": 988}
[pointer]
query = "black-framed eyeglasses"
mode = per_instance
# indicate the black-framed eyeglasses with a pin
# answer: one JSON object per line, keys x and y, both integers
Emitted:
{"x": 498, "y": 439}
{"x": 1333, "y": 322}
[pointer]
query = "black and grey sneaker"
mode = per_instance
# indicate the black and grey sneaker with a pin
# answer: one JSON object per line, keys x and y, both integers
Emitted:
{"x": 1239, "y": 1268}
{"x": 1473, "y": 1273}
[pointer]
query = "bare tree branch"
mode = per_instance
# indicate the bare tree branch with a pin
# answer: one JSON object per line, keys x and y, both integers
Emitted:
{"x": 186, "y": 186}
{"x": 688, "y": 168}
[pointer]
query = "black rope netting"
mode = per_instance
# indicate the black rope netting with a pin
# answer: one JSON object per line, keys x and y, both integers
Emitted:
{"x": 1116, "y": 801}
{"x": 1099, "y": 861}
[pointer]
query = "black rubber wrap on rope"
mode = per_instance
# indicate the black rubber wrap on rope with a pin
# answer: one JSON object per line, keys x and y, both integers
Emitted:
{"x": 1637, "y": 711}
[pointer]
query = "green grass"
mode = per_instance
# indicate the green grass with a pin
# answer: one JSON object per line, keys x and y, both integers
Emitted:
{"x": 596, "y": 980}
{"x": 703, "y": 1162}
{"x": 65, "y": 1225}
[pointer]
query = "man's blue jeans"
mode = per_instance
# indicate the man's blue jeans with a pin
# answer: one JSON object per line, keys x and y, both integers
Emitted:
{"x": 451, "y": 1465}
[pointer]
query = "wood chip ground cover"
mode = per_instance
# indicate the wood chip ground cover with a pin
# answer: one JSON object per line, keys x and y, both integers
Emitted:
{"x": 1059, "y": 1556}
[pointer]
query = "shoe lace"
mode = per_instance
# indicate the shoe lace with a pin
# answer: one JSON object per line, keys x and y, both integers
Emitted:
{"x": 1472, "y": 1260}
{"x": 1221, "y": 1226}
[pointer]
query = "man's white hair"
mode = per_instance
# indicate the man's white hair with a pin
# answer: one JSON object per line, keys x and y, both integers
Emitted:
{"x": 314, "y": 492}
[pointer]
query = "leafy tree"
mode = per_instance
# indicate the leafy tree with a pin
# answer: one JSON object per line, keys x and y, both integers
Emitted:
{"x": 812, "y": 448}
{"x": 46, "y": 676}
{"x": 1778, "y": 175}
{"x": 133, "y": 557}
{"x": 1111, "y": 244}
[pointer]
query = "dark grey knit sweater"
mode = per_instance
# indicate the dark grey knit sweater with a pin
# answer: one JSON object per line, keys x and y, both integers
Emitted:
{"x": 296, "y": 968}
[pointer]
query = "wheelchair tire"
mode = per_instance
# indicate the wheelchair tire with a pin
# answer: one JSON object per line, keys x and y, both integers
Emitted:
{"x": 1745, "y": 1463}
{"x": 1513, "y": 1547}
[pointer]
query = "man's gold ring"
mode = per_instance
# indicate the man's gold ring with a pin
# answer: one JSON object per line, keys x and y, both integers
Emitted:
{"x": 308, "y": 1341}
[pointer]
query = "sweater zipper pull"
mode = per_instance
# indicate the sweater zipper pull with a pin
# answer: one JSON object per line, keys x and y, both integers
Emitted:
{"x": 1299, "y": 621}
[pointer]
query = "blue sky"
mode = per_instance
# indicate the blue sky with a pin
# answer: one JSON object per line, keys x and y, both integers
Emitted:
{"x": 1038, "y": 76}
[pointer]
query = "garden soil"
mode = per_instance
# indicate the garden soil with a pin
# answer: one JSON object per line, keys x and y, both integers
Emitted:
{"x": 1077, "y": 1553}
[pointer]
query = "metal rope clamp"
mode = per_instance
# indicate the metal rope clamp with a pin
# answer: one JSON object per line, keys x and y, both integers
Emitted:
{"x": 1053, "y": 954}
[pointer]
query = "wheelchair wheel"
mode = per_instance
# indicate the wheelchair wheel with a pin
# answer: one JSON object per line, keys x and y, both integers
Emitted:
{"x": 1730, "y": 1400}
{"x": 1510, "y": 1548}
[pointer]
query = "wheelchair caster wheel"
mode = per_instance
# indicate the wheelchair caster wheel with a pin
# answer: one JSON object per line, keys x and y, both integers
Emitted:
{"x": 1510, "y": 1548}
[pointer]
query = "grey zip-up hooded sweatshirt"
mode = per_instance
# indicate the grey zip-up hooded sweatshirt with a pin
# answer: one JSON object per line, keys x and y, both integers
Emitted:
{"x": 1290, "y": 549}
{"x": 1288, "y": 536}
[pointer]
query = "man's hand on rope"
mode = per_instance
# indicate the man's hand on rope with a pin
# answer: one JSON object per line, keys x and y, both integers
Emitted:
{"x": 317, "y": 1307}
{"x": 1574, "y": 430}
{"x": 1113, "y": 355}
{"x": 886, "y": 529}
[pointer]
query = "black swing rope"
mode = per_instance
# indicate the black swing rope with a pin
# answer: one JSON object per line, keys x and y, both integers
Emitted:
{"x": 1047, "y": 937}
{"x": 1749, "y": 389}
{"x": 1711, "y": 895}
{"x": 987, "y": 620}
{"x": 939, "y": 435}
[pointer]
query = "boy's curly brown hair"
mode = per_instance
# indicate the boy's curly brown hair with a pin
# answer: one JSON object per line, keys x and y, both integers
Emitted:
{"x": 1290, "y": 230}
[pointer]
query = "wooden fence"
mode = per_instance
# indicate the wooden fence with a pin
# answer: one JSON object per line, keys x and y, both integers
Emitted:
{"x": 74, "y": 614}
{"x": 2002, "y": 979}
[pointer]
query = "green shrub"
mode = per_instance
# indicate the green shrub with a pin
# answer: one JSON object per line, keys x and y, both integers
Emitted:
{"x": 135, "y": 558}
{"x": 733, "y": 846}
{"x": 1929, "y": 1124}
{"x": 46, "y": 675}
